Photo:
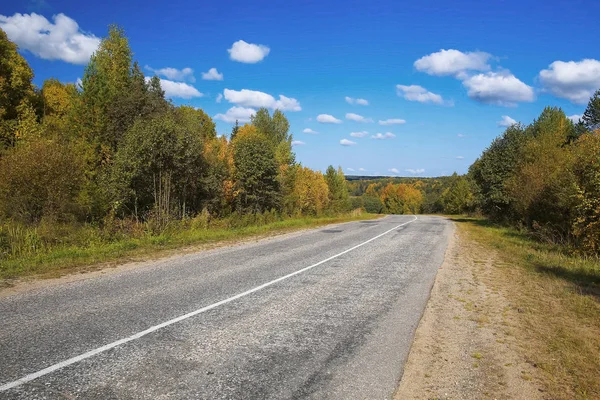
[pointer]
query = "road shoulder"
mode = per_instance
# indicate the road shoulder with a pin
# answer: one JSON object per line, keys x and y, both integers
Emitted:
{"x": 464, "y": 347}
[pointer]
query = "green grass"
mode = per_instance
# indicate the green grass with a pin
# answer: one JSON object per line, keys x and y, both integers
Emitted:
{"x": 59, "y": 259}
{"x": 555, "y": 296}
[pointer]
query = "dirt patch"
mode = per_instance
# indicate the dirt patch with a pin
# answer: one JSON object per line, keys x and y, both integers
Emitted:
{"x": 465, "y": 347}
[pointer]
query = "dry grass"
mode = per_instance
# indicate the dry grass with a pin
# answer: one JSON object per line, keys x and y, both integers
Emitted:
{"x": 557, "y": 299}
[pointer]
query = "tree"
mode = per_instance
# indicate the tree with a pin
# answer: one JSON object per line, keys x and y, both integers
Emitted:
{"x": 492, "y": 170}
{"x": 591, "y": 115}
{"x": 339, "y": 199}
{"x": 58, "y": 103}
{"x": 311, "y": 192}
{"x": 457, "y": 198}
{"x": 257, "y": 186}
{"x": 16, "y": 92}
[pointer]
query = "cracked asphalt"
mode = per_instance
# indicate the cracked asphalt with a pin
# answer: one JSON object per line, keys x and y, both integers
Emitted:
{"x": 340, "y": 330}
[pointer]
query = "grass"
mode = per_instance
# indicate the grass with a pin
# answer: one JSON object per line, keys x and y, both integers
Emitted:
{"x": 60, "y": 259}
{"x": 555, "y": 297}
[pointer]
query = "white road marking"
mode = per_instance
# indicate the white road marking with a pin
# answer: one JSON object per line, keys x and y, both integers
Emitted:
{"x": 91, "y": 353}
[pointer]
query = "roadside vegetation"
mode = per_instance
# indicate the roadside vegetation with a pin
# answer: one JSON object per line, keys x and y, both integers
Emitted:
{"x": 108, "y": 167}
{"x": 555, "y": 298}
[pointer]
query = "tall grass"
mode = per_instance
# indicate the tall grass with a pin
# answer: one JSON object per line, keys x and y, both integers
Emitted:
{"x": 52, "y": 248}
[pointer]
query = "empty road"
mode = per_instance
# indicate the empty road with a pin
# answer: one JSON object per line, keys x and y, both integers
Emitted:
{"x": 327, "y": 313}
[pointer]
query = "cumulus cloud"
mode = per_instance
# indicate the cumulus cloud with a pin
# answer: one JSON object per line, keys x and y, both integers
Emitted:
{"x": 219, "y": 97}
{"x": 394, "y": 170}
{"x": 383, "y": 136}
{"x": 310, "y": 131}
{"x": 178, "y": 89}
{"x": 248, "y": 53}
{"x": 350, "y": 169}
{"x": 499, "y": 88}
{"x": 346, "y": 142}
{"x": 572, "y": 80}
{"x": 418, "y": 93}
{"x": 575, "y": 118}
{"x": 460, "y": 157}
{"x": 297, "y": 143}
{"x": 240, "y": 114}
{"x": 58, "y": 40}
{"x": 328, "y": 119}
{"x": 212, "y": 75}
{"x": 256, "y": 99}
{"x": 415, "y": 171}
{"x": 506, "y": 121}
{"x": 174, "y": 74}
{"x": 453, "y": 62}
{"x": 359, "y": 134}
{"x": 357, "y": 118}
{"x": 461, "y": 135}
{"x": 360, "y": 102}
{"x": 362, "y": 170}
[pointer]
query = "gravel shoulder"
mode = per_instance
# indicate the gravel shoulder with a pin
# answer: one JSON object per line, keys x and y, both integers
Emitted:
{"x": 464, "y": 347}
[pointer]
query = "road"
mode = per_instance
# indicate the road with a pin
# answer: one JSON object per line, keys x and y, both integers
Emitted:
{"x": 324, "y": 313}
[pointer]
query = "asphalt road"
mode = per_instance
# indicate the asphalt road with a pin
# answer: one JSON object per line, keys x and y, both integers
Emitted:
{"x": 324, "y": 314}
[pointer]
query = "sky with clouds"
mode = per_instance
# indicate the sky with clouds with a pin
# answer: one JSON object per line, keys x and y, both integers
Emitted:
{"x": 378, "y": 87}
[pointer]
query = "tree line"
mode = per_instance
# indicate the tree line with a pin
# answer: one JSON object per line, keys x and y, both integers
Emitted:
{"x": 113, "y": 148}
{"x": 543, "y": 177}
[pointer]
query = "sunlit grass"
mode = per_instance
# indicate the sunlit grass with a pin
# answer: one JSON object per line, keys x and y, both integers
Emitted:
{"x": 557, "y": 295}
{"x": 57, "y": 259}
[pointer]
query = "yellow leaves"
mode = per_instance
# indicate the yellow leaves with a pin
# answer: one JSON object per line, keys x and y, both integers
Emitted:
{"x": 311, "y": 192}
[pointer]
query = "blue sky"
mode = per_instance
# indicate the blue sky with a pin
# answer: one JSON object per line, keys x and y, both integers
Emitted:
{"x": 450, "y": 70}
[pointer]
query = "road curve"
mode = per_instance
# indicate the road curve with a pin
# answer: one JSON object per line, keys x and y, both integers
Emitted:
{"x": 325, "y": 313}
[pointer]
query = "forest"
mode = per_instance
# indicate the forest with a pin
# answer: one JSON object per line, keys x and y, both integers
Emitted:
{"x": 111, "y": 157}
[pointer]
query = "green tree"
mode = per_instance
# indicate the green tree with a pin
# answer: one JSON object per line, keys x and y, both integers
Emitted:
{"x": 255, "y": 171}
{"x": 339, "y": 198}
{"x": 591, "y": 115}
{"x": 457, "y": 198}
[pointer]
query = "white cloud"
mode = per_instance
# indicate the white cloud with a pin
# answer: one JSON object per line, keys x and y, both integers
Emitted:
{"x": 350, "y": 169}
{"x": 174, "y": 74}
{"x": 328, "y": 119}
{"x": 346, "y": 142}
{"x": 392, "y": 121}
{"x": 61, "y": 40}
{"x": 383, "y": 136}
{"x": 357, "y": 118}
{"x": 506, "y": 121}
{"x": 359, "y": 134}
{"x": 256, "y": 99}
{"x": 362, "y": 170}
{"x": 360, "y": 102}
{"x": 178, "y": 89}
{"x": 460, "y": 157}
{"x": 394, "y": 170}
{"x": 219, "y": 97}
{"x": 500, "y": 88}
{"x": 418, "y": 93}
{"x": 310, "y": 131}
{"x": 297, "y": 143}
{"x": 572, "y": 80}
{"x": 453, "y": 62}
{"x": 212, "y": 75}
{"x": 239, "y": 114}
{"x": 575, "y": 118}
{"x": 248, "y": 52}
{"x": 415, "y": 171}
{"x": 461, "y": 135}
